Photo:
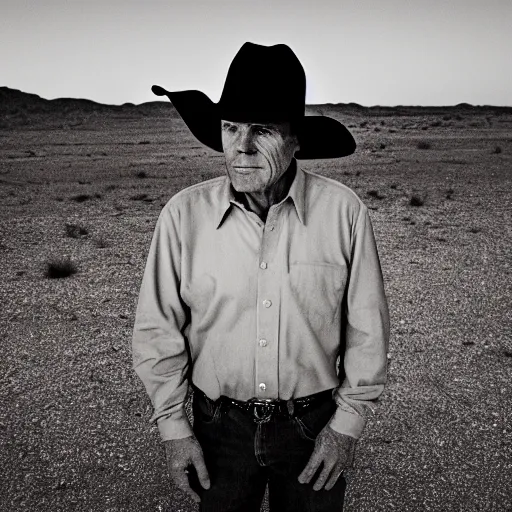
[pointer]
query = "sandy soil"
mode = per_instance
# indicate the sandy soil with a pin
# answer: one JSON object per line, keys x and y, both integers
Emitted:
{"x": 74, "y": 424}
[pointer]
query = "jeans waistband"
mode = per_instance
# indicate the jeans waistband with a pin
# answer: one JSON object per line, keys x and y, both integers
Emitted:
{"x": 262, "y": 410}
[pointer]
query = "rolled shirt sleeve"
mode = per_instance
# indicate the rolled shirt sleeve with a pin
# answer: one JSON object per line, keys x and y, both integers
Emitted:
{"x": 160, "y": 355}
{"x": 366, "y": 333}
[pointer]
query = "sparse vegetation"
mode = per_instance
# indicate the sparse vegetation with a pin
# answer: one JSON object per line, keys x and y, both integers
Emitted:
{"x": 375, "y": 194}
{"x": 139, "y": 197}
{"x": 141, "y": 174}
{"x": 497, "y": 150}
{"x": 474, "y": 230}
{"x": 76, "y": 231}
{"x": 81, "y": 198}
{"x": 101, "y": 243}
{"x": 423, "y": 144}
{"x": 60, "y": 268}
{"x": 449, "y": 193}
{"x": 145, "y": 142}
{"x": 416, "y": 200}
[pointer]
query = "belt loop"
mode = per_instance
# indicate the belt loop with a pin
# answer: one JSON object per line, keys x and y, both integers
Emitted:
{"x": 290, "y": 407}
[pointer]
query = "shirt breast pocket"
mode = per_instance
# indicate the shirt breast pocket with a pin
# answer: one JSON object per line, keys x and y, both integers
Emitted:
{"x": 317, "y": 289}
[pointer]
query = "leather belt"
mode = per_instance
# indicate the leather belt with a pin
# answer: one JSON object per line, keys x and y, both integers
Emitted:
{"x": 262, "y": 410}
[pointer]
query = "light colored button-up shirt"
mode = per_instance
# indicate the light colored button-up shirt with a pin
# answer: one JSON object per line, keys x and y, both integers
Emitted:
{"x": 246, "y": 308}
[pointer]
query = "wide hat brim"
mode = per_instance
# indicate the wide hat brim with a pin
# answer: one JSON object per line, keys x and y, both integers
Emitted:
{"x": 319, "y": 136}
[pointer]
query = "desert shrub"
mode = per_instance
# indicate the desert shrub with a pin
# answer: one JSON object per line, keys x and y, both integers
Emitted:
{"x": 108, "y": 188}
{"x": 362, "y": 124}
{"x": 80, "y": 198}
{"x": 382, "y": 145}
{"x": 141, "y": 174}
{"x": 416, "y": 201}
{"x": 375, "y": 193}
{"x": 474, "y": 230}
{"x": 446, "y": 118}
{"x": 449, "y": 193}
{"x": 145, "y": 142}
{"x": 423, "y": 144}
{"x": 497, "y": 150}
{"x": 101, "y": 243}
{"x": 139, "y": 197}
{"x": 435, "y": 124}
{"x": 76, "y": 231}
{"x": 393, "y": 186}
{"x": 60, "y": 268}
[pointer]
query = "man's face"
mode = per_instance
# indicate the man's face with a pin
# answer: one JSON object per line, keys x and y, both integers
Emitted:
{"x": 257, "y": 155}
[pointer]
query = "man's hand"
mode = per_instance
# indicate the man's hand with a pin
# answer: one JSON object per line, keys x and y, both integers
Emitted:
{"x": 181, "y": 454}
{"x": 336, "y": 451}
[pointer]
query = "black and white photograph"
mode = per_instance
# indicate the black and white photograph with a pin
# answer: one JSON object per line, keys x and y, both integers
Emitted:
{"x": 256, "y": 256}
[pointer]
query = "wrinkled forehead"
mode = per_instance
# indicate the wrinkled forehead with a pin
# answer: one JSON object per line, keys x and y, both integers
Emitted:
{"x": 282, "y": 127}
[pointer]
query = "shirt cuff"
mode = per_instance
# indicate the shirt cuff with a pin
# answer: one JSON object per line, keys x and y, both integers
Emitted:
{"x": 175, "y": 426}
{"x": 350, "y": 424}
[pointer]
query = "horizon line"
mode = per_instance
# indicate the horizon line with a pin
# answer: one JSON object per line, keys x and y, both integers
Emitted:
{"x": 352, "y": 103}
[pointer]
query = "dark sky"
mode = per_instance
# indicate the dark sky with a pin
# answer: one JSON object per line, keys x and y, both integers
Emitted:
{"x": 388, "y": 52}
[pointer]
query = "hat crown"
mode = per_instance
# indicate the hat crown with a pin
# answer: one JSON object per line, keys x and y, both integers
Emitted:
{"x": 264, "y": 84}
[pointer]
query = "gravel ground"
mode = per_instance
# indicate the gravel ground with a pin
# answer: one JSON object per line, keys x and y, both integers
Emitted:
{"x": 74, "y": 418}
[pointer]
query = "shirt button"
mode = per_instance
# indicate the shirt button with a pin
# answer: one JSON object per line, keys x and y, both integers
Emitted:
{"x": 263, "y": 265}
{"x": 262, "y": 386}
{"x": 263, "y": 343}
{"x": 271, "y": 228}
{"x": 267, "y": 303}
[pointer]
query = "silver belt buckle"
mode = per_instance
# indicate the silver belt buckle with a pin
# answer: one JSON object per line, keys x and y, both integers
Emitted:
{"x": 262, "y": 415}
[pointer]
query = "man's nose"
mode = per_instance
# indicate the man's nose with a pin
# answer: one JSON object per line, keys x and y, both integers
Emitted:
{"x": 245, "y": 143}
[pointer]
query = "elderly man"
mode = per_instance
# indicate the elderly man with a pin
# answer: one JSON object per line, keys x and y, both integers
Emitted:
{"x": 263, "y": 293}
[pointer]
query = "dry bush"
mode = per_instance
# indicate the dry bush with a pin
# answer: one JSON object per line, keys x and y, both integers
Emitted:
{"x": 76, "y": 231}
{"x": 80, "y": 198}
{"x": 59, "y": 268}
{"x": 375, "y": 193}
{"x": 497, "y": 150}
{"x": 101, "y": 243}
{"x": 416, "y": 201}
{"x": 141, "y": 174}
{"x": 139, "y": 197}
{"x": 423, "y": 144}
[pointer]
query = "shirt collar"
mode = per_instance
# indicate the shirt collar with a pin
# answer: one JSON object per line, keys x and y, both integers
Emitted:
{"x": 296, "y": 194}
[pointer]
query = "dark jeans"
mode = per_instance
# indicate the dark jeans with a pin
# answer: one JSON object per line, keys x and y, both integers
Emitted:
{"x": 243, "y": 456}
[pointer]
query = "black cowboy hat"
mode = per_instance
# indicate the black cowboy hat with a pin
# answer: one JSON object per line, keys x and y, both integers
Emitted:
{"x": 264, "y": 84}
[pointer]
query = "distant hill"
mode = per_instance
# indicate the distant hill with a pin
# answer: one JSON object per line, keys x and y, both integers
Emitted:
{"x": 19, "y": 108}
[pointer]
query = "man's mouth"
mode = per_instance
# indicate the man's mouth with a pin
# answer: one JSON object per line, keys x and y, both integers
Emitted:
{"x": 245, "y": 169}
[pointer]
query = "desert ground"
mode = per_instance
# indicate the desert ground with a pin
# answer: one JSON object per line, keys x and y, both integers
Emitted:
{"x": 82, "y": 184}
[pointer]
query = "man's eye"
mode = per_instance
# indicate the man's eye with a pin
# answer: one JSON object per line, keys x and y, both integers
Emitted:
{"x": 262, "y": 131}
{"x": 229, "y": 128}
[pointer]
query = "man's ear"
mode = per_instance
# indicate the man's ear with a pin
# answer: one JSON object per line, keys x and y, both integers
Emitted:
{"x": 297, "y": 145}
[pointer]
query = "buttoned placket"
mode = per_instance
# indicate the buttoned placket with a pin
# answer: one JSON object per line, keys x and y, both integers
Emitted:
{"x": 268, "y": 309}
